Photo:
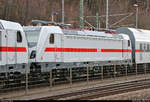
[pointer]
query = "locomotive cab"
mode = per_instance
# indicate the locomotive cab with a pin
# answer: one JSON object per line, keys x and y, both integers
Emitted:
{"x": 32, "y": 35}
{"x": 42, "y": 39}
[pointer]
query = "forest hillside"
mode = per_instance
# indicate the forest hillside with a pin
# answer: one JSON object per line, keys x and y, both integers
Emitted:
{"x": 122, "y": 12}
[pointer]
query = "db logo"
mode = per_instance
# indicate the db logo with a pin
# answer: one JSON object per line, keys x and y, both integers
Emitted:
{"x": 98, "y": 50}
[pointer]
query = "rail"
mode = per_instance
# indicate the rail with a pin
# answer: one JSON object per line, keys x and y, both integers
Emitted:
{"x": 101, "y": 91}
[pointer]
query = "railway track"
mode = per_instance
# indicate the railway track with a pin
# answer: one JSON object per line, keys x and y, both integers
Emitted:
{"x": 101, "y": 91}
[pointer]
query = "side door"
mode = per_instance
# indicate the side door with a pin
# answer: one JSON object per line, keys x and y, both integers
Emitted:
{"x": 148, "y": 50}
{"x": 54, "y": 49}
{"x": 2, "y": 44}
{"x": 58, "y": 47}
{"x": 128, "y": 48}
{"x": 3, "y": 47}
{"x": 141, "y": 52}
{"x": 124, "y": 48}
{"x": 11, "y": 47}
{"x": 21, "y": 48}
{"x": 51, "y": 49}
{"x": 144, "y": 53}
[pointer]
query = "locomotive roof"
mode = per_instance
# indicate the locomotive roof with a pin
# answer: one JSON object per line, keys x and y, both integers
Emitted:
{"x": 52, "y": 29}
{"x": 90, "y": 33}
{"x": 56, "y": 29}
{"x": 10, "y": 25}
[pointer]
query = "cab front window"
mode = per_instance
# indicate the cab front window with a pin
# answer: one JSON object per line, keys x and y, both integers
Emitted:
{"x": 32, "y": 37}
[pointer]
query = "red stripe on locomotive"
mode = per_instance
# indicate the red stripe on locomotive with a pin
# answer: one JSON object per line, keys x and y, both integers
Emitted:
{"x": 13, "y": 49}
{"x": 84, "y": 50}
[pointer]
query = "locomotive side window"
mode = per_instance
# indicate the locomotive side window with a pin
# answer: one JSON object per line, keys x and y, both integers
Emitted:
{"x": 144, "y": 47}
{"x": 128, "y": 43}
{"x": 140, "y": 46}
{"x": 51, "y": 39}
{"x": 148, "y": 47}
{"x": 19, "y": 37}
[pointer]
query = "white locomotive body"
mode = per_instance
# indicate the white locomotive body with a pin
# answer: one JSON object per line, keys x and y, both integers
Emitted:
{"x": 13, "y": 48}
{"x": 59, "y": 47}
